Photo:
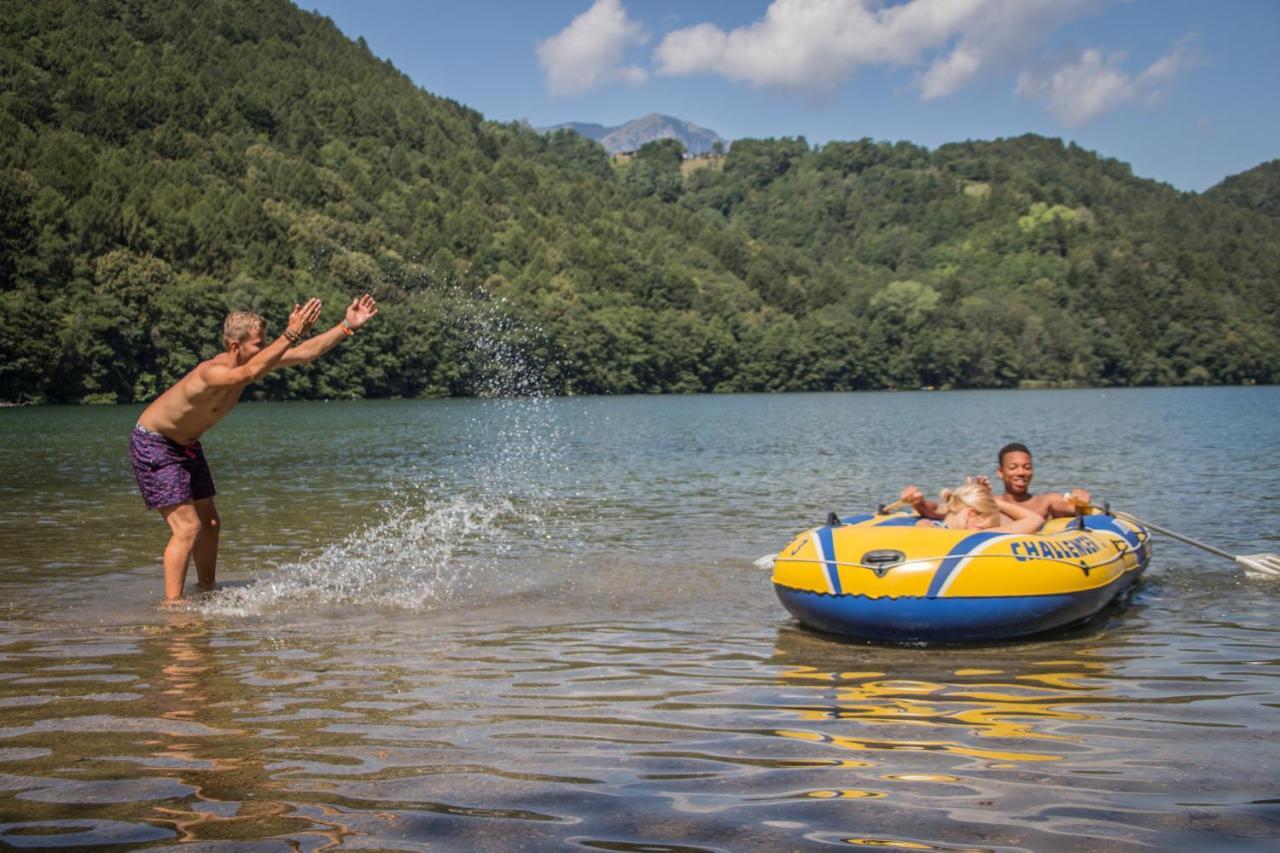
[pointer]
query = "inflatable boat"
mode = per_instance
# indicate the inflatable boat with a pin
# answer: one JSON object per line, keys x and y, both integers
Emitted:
{"x": 880, "y": 577}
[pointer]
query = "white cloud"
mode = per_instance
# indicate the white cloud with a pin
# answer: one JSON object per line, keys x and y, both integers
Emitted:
{"x": 589, "y": 52}
{"x": 1157, "y": 80}
{"x": 1082, "y": 89}
{"x": 814, "y": 45}
{"x": 1090, "y": 85}
{"x": 950, "y": 73}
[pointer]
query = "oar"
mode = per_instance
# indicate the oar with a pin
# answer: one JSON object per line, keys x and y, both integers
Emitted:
{"x": 1262, "y": 564}
{"x": 766, "y": 562}
{"x": 888, "y": 508}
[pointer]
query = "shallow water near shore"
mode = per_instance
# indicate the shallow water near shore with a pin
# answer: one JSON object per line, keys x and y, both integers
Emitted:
{"x": 532, "y": 624}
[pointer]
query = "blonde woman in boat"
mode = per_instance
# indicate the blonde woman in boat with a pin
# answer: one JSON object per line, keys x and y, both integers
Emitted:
{"x": 973, "y": 507}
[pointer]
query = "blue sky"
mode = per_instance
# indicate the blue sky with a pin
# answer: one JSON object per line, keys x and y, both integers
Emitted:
{"x": 1183, "y": 90}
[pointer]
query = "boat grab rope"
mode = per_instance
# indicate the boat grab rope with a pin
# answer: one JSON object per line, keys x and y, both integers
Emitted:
{"x": 882, "y": 570}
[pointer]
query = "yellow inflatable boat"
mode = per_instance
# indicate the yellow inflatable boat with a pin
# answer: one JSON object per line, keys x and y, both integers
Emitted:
{"x": 880, "y": 577}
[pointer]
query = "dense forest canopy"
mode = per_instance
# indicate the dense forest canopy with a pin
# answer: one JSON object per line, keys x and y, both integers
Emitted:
{"x": 163, "y": 163}
{"x": 1258, "y": 189}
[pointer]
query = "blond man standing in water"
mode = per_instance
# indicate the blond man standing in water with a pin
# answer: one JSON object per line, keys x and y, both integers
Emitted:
{"x": 165, "y": 450}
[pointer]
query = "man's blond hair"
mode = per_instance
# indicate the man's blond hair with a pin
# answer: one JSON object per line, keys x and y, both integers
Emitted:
{"x": 240, "y": 325}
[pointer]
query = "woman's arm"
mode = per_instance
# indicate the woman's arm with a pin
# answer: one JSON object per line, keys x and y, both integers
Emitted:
{"x": 925, "y": 508}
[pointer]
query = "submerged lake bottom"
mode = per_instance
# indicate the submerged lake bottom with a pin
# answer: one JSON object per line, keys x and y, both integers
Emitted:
{"x": 535, "y": 624}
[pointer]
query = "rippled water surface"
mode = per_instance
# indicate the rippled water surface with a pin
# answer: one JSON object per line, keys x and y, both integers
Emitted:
{"x": 531, "y": 624}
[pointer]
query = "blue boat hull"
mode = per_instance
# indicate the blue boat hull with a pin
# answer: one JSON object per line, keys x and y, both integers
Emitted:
{"x": 947, "y": 620}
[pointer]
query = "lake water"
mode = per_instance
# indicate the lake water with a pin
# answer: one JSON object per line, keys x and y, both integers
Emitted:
{"x": 531, "y": 624}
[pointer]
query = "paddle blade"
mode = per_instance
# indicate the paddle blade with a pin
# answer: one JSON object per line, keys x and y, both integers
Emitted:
{"x": 765, "y": 562}
{"x": 1260, "y": 565}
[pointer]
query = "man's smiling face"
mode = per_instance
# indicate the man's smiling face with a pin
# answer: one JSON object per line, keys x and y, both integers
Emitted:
{"x": 1015, "y": 472}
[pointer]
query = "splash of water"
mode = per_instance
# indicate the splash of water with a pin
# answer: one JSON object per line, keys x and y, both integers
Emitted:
{"x": 417, "y": 555}
{"x": 425, "y": 550}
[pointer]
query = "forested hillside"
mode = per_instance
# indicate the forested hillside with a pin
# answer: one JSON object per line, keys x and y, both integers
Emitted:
{"x": 1020, "y": 259}
{"x": 1258, "y": 188}
{"x": 164, "y": 162}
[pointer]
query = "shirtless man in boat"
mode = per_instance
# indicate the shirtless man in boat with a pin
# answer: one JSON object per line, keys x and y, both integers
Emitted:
{"x": 168, "y": 460}
{"x": 1015, "y": 469}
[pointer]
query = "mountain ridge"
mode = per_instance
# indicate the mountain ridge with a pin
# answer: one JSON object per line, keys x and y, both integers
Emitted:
{"x": 1256, "y": 189}
{"x": 631, "y": 135}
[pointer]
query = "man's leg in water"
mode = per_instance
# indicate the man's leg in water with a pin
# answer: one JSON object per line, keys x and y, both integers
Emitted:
{"x": 184, "y": 525}
{"x": 206, "y": 549}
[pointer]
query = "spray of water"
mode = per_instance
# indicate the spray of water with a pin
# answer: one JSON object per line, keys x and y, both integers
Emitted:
{"x": 501, "y": 516}
{"x": 419, "y": 554}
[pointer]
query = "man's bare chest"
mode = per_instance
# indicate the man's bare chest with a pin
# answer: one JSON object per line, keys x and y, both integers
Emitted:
{"x": 223, "y": 399}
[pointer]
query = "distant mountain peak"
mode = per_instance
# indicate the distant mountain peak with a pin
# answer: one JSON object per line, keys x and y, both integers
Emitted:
{"x": 635, "y": 133}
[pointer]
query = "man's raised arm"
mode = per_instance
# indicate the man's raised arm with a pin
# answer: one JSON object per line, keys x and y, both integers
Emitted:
{"x": 300, "y": 321}
{"x": 1068, "y": 503}
{"x": 359, "y": 312}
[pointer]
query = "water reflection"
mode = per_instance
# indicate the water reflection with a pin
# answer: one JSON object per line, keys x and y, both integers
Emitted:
{"x": 166, "y": 761}
{"x": 67, "y": 742}
{"x": 937, "y": 727}
{"x": 590, "y": 734}
{"x": 951, "y": 691}
{"x": 201, "y": 679}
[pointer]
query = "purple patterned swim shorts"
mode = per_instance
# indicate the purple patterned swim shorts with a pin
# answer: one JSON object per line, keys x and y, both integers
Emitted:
{"x": 168, "y": 473}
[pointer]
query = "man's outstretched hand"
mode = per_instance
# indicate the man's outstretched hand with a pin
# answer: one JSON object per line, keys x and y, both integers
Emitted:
{"x": 303, "y": 317}
{"x": 982, "y": 480}
{"x": 361, "y": 311}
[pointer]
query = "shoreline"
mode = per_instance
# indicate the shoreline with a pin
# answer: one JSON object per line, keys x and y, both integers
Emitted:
{"x": 1026, "y": 385}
